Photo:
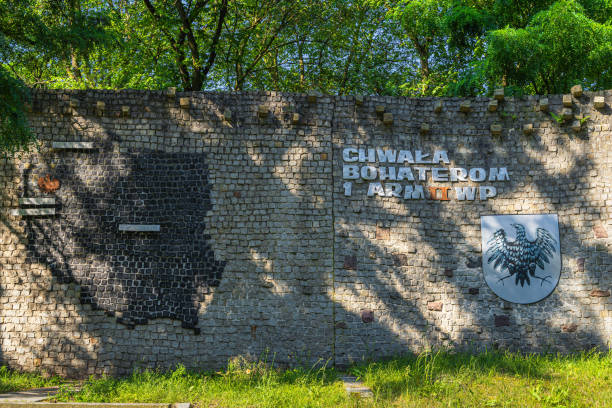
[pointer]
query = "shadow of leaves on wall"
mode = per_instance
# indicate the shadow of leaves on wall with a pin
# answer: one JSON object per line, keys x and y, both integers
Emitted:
{"x": 135, "y": 276}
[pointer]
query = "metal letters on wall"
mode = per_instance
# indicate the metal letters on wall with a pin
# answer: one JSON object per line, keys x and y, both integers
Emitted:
{"x": 521, "y": 256}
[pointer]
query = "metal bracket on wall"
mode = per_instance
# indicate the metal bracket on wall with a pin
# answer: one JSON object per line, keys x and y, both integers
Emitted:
{"x": 37, "y": 201}
{"x": 73, "y": 145}
{"x": 32, "y": 211}
{"x": 44, "y": 201}
{"x": 139, "y": 227}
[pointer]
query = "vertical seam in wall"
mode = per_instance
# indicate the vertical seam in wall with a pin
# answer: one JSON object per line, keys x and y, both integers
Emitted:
{"x": 333, "y": 230}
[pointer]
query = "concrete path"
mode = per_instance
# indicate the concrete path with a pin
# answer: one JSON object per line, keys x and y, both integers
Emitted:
{"x": 34, "y": 395}
{"x": 81, "y": 405}
{"x": 356, "y": 388}
{"x": 36, "y": 398}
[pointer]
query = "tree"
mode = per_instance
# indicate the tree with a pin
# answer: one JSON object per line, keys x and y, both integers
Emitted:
{"x": 43, "y": 30}
{"x": 256, "y": 34}
{"x": 560, "y": 47}
{"x": 192, "y": 31}
{"x": 390, "y": 47}
{"x": 331, "y": 46}
{"x": 14, "y": 132}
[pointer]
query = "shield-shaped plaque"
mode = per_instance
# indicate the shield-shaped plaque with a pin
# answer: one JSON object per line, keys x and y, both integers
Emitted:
{"x": 521, "y": 256}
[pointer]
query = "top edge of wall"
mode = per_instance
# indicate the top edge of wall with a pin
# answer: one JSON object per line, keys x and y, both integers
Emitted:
{"x": 163, "y": 93}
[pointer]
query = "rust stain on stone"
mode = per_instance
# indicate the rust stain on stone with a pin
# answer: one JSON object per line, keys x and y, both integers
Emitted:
{"x": 382, "y": 233}
{"x": 48, "y": 185}
{"x": 569, "y": 328}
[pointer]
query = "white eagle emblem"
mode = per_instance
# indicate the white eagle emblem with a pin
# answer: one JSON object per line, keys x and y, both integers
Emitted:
{"x": 521, "y": 257}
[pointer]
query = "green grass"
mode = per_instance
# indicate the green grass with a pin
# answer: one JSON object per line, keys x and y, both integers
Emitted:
{"x": 492, "y": 379}
{"x": 15, "y": 381}
{"x": 243, "y": 384}
{"x": 441, "y": 379}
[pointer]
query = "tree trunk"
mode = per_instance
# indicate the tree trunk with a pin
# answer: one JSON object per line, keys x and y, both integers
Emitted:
{"x": 301, "y": 63}
{"x": 74, "y": 72}
{"x": 423, "y": 53}
{"x": 275, "y": 75}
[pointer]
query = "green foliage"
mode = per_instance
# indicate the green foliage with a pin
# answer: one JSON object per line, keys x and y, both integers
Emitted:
{"x": 504, "y": 379}
{"x": 507, "y": 115}
{"x": 559, "y": 47}
{"x": 394, "y": 47}
{"x": 38, "y": 39}
{"x": 14, "y": 132}
{"x": 464, "y": 23}
{"x": 244, "y": 383}
{"x": 11, "y": 380}
{"x": 557, "y": 118}
{"x": 517, "y": 13}
{"x": 412, "y": 47}
{"x": 513, "y": 53}
{"x": 470, "y": 81}
{"x": 429, "y": 379}
{"x": 598, "y": 10}
{"x": 387, "y": 47}
{"x": 422, "y": 23}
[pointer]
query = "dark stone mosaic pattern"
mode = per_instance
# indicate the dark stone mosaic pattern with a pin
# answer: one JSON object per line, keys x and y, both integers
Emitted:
{"x": 135, "y": 276}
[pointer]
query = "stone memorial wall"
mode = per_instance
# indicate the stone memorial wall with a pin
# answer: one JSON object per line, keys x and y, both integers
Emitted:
{"x": 155, "y": 228}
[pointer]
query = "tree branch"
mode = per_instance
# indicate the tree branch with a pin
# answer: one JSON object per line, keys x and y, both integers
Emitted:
{"x": 197, "y": 8}
{"x": 196, "y": 80}
{"x": 266, "y": 48}
{"x": 157, "y": 18}
{"x": 215, "y": 41}
{"x": 174, "y": 44}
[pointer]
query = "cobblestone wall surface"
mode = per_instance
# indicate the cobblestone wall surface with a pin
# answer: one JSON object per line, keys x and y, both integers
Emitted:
{"x": 408, "y": 272}
{"x": 261, "y": 252}
{"x": 242, "y": 263}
